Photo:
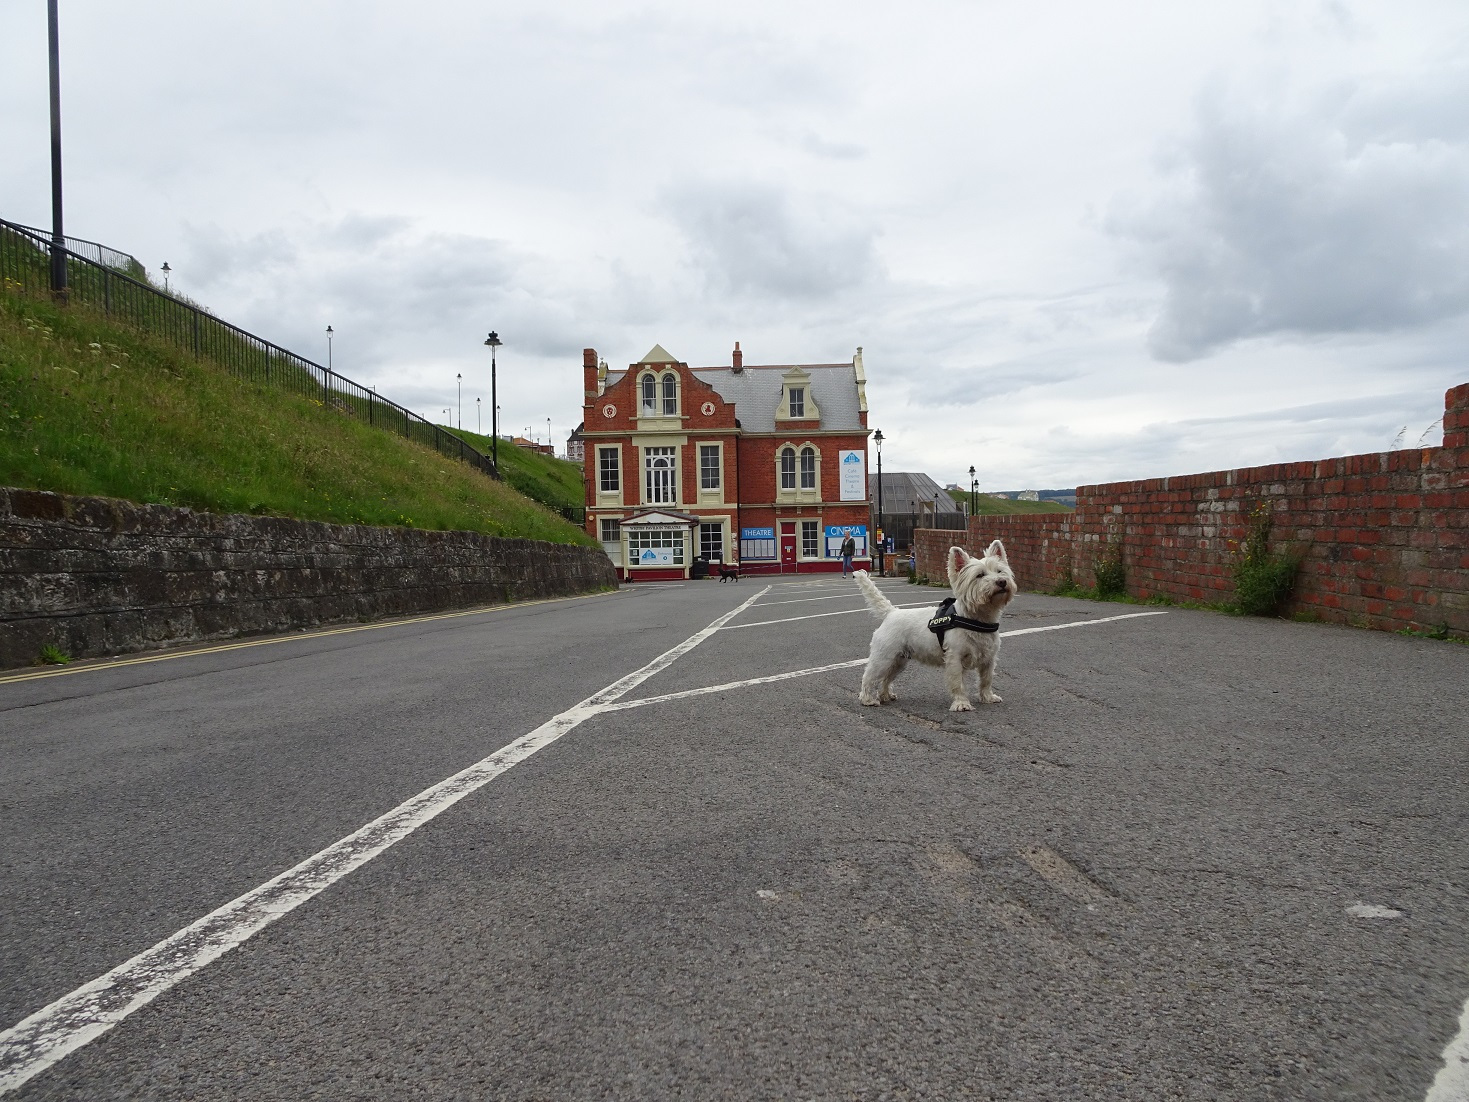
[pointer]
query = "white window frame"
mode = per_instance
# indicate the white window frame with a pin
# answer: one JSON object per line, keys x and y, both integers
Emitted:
{"x": 616, "y": 455}
{"x": 812, "y": 550}
{"x": 812, "y": 468}
{"x": 797, "y": 491}
{"x": 718, "y": 527}
{"x": 668, "y": 471}
{"x": 784, "y": 452}
{"x": 704, "y": 468}
{"x": 612, "y": 547}
{"x": 796, "y": 400}
{"x": 648, "y": 395}
{"x": 640, "y": 539}
{"x": 668, "y": 402}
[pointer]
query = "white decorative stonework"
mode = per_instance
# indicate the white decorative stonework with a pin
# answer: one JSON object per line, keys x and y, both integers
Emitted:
{"x": 707, "y": 409}
{"x": 609, "y": 410}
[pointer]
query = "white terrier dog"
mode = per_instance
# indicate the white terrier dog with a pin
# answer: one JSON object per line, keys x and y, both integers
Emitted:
{"x": 982, "y": 588}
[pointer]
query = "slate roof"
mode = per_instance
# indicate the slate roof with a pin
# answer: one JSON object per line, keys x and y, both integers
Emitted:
{"x": 755, "y": 392}
{"x": 903, "y": 490}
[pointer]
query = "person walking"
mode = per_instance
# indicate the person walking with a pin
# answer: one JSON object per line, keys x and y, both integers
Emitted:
{"x": 849, "y": 548}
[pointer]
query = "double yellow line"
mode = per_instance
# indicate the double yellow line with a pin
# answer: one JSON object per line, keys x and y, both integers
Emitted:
{"x": 143, "y": 660}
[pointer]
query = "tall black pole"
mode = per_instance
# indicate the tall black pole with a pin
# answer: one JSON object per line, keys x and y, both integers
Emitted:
{"x": 882, "y": 536}
{"x": 58, "y": 237}
{"x": 494, "y": 342}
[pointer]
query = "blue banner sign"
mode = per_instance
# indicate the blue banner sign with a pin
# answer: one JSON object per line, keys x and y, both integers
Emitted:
{"x": 836, "y": 535}
{"x": 757, "y": 543}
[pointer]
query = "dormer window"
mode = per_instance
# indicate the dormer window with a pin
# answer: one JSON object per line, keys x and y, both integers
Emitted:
{"x": 797, "y": 403}
{"x": 650, "y": 396}
{"x": 670, "y": 395}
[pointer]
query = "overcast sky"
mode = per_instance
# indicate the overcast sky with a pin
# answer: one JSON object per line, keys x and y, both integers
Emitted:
{"x": 1078, "y": 241}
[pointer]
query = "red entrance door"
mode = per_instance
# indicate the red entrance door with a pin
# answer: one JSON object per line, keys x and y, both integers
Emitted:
{"x": 787, "y": 544}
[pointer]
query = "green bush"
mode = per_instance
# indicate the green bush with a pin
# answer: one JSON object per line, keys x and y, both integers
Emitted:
{"x": 1263, "y": 579}
{"x": 1111, "y": 575}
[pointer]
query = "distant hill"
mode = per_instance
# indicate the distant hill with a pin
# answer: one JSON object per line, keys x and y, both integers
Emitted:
{"x": 1065, "y": 497}
{"x": 990, "y": 505}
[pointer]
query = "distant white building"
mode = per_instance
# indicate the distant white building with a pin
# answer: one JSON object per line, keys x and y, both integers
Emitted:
{"x": 1028, "y": 495}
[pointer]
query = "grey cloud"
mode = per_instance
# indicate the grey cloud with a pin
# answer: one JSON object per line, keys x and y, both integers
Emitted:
{"x": 818, "y": 146}
{"x": 1347, "y": 213}
{"x": 755, "y": 239}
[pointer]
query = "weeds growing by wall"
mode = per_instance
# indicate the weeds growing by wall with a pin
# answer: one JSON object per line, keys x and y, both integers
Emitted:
{"x": 1111, "y": 575}
{"x": 1263, "y": 579}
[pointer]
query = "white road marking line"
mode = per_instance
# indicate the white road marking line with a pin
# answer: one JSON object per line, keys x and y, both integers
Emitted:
{"x": 803, "y": 600}
{"x": 74, "y": 1020}
{"x": 1373, "y": 910}
{"x": 705, "y": 690}
{"x": 1451, "y": 1084}
{"x": 819, "y": 615}
{"x": 1081, "y": 623}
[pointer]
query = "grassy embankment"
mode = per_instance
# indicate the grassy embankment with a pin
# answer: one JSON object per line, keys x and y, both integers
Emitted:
{"x": 92, "y": 407}
{"x": 1002, "y": 506}
{"x": 539, "y": 477}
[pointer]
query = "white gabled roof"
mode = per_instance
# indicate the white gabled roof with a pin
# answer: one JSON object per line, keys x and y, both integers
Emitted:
{"x": 659, "y": 519}
{"x": 657, "y": 355}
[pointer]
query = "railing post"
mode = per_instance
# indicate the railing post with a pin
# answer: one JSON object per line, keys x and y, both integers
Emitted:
{"x": 196, "y": 334}
{"x": 106, "y": 291}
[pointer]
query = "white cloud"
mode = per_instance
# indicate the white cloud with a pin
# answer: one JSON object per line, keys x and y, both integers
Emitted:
{"x": 1343, "y": 209}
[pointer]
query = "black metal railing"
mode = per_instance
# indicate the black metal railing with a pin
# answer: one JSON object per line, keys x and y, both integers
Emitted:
{"x": 114, "y": 283}
{"x": 97, "y": 253}
{"x": 899, "y": 527}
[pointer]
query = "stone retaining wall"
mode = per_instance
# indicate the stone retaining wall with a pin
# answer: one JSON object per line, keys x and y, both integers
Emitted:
{"x": 1383, "y": 538}
{"x": 100, "y": 576}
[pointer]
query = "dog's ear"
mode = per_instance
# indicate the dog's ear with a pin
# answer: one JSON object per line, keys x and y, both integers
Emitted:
{"x": 958, "y": 559}
{"x": 997, "y": 551}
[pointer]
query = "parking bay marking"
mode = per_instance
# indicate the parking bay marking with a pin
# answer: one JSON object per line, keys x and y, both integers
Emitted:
{"x": 74, "y": 1020}
{"x": 768, "y": 678}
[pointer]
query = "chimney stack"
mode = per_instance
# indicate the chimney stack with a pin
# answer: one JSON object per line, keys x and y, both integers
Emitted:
{"x": 739, "y": 359}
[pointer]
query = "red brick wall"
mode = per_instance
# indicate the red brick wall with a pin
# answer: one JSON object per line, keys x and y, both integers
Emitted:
{"x": 1384, "y": 537}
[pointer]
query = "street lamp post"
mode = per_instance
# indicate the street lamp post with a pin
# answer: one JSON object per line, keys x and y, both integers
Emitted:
{"x": 58, "y": 236}
{"x": 459, "y": 378}
{"x": 881, "y": 558}
{"x": 328, "y": 345}
{"x": 476, "y": 418}
{"x": 493, "y": 340}
{"x": 165, "y": 270}
{"x": 973, "y": 492}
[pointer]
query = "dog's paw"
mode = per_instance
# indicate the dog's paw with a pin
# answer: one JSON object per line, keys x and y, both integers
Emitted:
{"x": 870, "y": 701}
{"x": 993, "y": 698}
{"x": 888, "y": 698}
{"x": 961, "y": 706}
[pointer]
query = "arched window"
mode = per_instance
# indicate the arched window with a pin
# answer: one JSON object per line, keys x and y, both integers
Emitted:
{"x": 650, "y": 396}
{"x": 808, "y": 468}
{"x": 670, "y": 395}
{"x": 788, "y": 468}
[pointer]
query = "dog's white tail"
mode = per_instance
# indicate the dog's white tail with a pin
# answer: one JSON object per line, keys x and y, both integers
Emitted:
{"x": 879, "y": 604}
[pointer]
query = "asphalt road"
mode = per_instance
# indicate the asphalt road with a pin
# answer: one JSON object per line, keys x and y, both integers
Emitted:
{"x": 1133, "y": 879}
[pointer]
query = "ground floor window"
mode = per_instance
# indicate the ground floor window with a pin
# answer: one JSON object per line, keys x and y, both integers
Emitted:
{"x": 711, "y": 541}
{"x": 757, "y": 543}
{"x": 655, "y": 546}
{"x": 810, "y": 539}
{"x": 612, "y": 538}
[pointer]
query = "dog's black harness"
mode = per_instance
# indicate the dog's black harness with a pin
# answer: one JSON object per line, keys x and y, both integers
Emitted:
{"x": 947, "y": 619}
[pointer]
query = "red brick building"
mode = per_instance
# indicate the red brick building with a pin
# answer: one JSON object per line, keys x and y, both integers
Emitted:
{"x": 762, "y": 465}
